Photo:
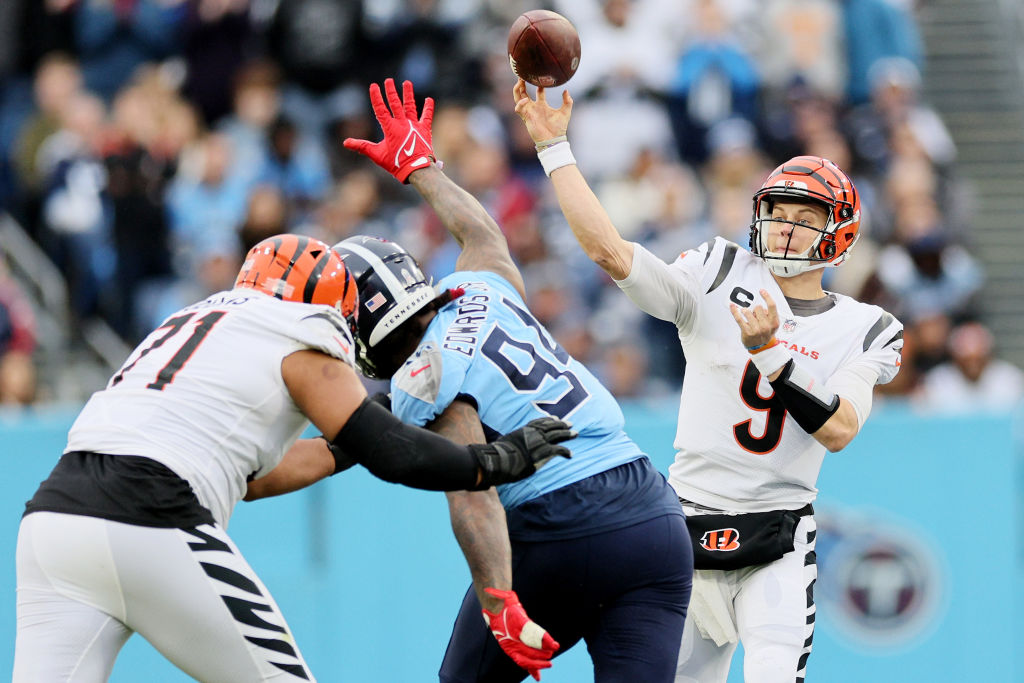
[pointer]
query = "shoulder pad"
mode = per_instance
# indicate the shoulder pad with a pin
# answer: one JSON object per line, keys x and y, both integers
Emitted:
{"x": 420, "y": 376}
{"x": 721, "y": 263}
{"x": 326, "y": 330}
{"x": 885, "y": 331}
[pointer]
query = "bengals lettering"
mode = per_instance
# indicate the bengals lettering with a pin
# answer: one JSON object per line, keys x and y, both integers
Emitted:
{"x": 802, "y": 350}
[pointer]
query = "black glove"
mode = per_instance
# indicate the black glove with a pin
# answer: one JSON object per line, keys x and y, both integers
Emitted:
{"x": 522, "y": 452}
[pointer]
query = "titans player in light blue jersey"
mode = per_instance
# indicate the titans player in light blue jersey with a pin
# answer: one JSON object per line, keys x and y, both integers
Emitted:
{"x": 598, "y": 542}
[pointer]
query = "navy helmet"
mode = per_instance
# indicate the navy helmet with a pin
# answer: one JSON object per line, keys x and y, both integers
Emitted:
{"x": 392, "y": 289}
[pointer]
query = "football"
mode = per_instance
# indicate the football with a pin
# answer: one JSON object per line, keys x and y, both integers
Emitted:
{"x": 543, "y": 48}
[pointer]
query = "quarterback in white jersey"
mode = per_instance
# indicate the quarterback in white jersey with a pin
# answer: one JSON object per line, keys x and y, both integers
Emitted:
{"x": 128, "y": 532}
{"x": 756, "y": 458}
{"x": 778, "y": 372}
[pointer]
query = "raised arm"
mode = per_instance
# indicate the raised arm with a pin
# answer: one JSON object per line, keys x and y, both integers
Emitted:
{"x": 407, "y": 153}
{"x": 483, "y": 245}
{"x": 590, "y": 223}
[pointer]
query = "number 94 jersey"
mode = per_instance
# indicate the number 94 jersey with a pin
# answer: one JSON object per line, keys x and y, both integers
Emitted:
{"x": 203, "y": 393}
{"x": 487, "y": 349}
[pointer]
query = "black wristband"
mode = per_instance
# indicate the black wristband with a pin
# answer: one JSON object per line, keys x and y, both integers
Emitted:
{"x": 403, "y": 454}
{"x": 809, "y": 402}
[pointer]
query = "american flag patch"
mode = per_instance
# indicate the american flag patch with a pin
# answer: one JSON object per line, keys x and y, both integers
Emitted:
{"x": 375, "y": 302}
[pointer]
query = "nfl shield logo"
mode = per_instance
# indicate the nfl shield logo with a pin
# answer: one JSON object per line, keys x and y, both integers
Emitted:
{"x": 375, "y": 302}
{"x": 789, "y": 325}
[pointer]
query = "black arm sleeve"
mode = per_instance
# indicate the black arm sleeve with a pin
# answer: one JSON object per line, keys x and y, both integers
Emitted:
{"x": 810, "y": 403}
{"x": 403, "y": 454}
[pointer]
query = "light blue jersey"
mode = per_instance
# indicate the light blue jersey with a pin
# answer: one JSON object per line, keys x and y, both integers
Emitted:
{"x": 486, "y": 348}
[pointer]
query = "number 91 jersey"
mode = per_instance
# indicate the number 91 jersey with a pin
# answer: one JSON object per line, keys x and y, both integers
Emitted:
{"x": 203, "y": 393}
{"x": 487, "y": 349}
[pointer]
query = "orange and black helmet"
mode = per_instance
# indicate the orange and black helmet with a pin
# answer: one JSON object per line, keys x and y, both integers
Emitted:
{"x": 808, "y": 179}
{"x": 302, "y": 269}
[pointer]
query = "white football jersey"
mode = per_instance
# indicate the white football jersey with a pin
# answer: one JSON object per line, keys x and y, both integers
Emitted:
{"x": 737, "y": 449}
{"x": 203, "y": 393}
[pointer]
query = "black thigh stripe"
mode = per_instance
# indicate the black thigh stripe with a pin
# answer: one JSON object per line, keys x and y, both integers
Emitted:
{"x": 809, "y": 559}
{"x": 314, "y": 278}
{"x": 244, "y": 612}
{"x": 723, "y": 271}
{"x": 282, "y": 646}
{"x": 303, "y": 242}
{"x": 883, "y": 322}
{"x": 294, "y": 669}
{"x": 208, "y": 542}
{"x": 231, "y": 577}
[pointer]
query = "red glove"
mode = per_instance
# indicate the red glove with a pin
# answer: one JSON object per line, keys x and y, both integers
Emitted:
{"x": 406, "y": 146}
{"x": 529, "y": 645}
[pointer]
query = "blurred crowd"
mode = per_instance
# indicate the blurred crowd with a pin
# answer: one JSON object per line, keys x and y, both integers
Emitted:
{"x": 145, "y": 145}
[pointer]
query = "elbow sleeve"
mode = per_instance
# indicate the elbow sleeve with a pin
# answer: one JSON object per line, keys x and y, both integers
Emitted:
{"x": 403, "y": 454}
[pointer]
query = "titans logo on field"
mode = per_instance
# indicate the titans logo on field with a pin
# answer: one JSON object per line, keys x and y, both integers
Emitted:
{"x": 881, "y": 583}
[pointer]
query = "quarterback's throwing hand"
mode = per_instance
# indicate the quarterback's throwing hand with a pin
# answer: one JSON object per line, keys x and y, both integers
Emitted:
{"x": 522, "y": 639}
{"x": 407, "y": 144}
{"x": 542, "y": 121}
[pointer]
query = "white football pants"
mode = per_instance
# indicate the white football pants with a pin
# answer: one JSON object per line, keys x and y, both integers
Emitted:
{"x": 770, "y": 607}
{"x": 86, "y": 584}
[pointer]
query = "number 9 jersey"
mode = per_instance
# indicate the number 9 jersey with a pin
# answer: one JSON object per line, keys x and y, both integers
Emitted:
{"x": 737, "y": 447}
{"x": 485, "y": 348}
{"x": 215, "y": 367}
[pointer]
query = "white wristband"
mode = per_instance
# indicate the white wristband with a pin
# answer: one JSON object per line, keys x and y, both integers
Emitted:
{"x": 771, "y": 360}
{"x": 556, "y": 156}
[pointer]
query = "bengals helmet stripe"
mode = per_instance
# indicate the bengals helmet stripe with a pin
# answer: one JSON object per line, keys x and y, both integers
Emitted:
{"x": 802, "y": 179}
{"x": 314, "y": 280}
{"x": 300, "y": 246}
{"x": 811, "y": 172}
{"x": 301, "y": 269}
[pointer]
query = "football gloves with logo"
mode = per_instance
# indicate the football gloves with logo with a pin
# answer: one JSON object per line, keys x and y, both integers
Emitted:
{"x": 522, "y": 639}
{"x": 522, "y": 452}
{"x": 407, "y": 144}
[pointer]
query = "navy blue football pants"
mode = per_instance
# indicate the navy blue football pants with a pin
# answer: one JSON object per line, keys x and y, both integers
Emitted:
{"x": 624, "y": 592}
